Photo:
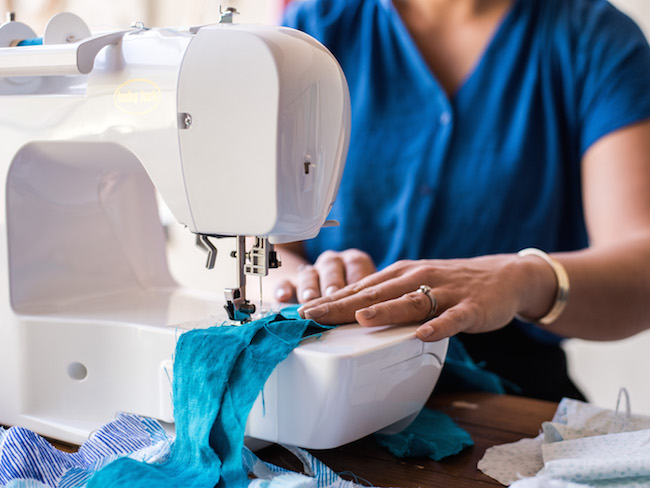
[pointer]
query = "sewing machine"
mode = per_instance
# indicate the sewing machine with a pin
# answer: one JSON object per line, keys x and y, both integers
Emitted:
{"x": 242, "y": 131}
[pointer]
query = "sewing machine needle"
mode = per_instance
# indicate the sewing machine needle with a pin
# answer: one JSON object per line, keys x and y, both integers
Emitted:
{"x": 261, "y": 301}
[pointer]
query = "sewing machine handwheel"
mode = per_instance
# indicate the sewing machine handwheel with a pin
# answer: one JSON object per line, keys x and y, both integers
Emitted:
{"x": 64, "y": 28}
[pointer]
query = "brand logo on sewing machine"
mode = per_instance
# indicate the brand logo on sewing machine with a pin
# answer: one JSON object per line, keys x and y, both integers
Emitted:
{"x": 136, "y": 97}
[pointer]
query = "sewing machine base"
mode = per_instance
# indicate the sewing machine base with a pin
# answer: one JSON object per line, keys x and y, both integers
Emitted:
{"x": 80, "y": 368}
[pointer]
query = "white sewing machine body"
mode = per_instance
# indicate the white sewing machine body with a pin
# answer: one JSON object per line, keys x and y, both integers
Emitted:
{"x": 243, "y": 131}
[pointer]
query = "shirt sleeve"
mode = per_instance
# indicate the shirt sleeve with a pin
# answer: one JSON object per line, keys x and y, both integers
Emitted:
{"x": 613, "y": 59}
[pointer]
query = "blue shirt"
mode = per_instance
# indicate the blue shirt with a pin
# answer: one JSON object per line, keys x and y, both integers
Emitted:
{"x": 496, "y": 167}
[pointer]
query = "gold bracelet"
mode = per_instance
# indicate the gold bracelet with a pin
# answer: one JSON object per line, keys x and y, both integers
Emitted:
{"x": 563, "y": 285}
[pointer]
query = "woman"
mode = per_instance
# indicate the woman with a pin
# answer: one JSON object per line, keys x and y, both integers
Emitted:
{"x": 482, "y": 128}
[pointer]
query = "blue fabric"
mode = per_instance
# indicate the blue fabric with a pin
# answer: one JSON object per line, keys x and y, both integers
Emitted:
{"x": 29, "y": 460}
{"x": 37, "y": 41}
{"x": 495, "y": 167}
{"x": 218, "y": 373}
{"x": 461, "y": 373}
{"x": 319, "y": 473}
{"x": 432, "y": 434}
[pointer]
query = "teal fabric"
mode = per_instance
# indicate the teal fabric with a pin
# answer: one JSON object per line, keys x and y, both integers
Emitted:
{"x": 461, "y": 373}
{"x": 432, "y": 434}
{"x": 218, "y": 373}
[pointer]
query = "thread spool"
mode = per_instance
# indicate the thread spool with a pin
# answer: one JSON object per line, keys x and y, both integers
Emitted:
{"x": 12, "y": 33}
{"x": 65, "y": 28}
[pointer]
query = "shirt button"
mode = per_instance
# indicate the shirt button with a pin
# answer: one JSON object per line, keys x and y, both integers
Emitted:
{"x": 445, "y": 118}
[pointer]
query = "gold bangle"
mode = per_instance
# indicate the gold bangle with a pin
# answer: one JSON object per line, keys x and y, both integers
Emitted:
{"x": 563, "y": 285}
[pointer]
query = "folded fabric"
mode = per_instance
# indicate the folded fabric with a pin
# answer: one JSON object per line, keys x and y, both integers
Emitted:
{"x": 432, "y": 434}
{"x": 29, "y": 460}
{"x": 38, "y": 464}
{"x": 218, "y": 373}
{"x": 583, "y": 445}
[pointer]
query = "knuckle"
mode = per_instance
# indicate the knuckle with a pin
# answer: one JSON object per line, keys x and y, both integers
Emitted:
{"x": 305, "y": 268}
{"x": 403, "y": 266}
{"x": 371, "y": 294}
{"x": 355, "y": 256}
{"x": 332, "y": 277}
{"x": 451, "y": 328}
{"x": 355, "y": 288}
{"x": 456, "y": 315}
{"x": 420, "y": 273}
{"x": 328, "y": 255}
{"x": 307, "y": 276}
{"x": 417, "y": 301}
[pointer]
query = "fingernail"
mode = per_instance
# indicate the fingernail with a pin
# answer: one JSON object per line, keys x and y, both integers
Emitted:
{"x": 424, "y": 331}
{"x": 314, "y": 313}
{"x": 281, "y": 293}
{"x": 309, "y": 294}
{"x": 367, "y": 313}
{"x": 331, "y": 289}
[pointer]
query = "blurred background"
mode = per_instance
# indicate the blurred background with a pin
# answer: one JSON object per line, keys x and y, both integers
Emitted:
{"x": 102, "y": 14}
{"x": 600, "y": 369}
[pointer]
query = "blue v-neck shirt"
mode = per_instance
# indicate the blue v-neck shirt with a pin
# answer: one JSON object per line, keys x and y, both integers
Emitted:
{"x": 497, "y": 166}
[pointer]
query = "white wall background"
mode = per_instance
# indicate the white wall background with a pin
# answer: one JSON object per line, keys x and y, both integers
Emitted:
{"x": 106, "y": 14}
{"x": 600, "y": 369}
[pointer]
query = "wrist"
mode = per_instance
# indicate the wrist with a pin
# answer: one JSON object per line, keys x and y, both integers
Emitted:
{"x": 549, "y": 287}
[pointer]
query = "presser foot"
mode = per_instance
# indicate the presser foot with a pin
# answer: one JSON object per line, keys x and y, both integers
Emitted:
{"x": 238, "y": 308}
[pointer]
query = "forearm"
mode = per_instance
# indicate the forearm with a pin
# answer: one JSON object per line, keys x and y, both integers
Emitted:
{"x": 609, "y": 295}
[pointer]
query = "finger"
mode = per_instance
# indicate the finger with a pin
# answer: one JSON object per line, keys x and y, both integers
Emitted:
{"x": 342, "y": 311}
{"x": 449, "y": 323}
{"x": 331, "y": 272}
{"x": 350, "y": 290}
{"x": 413, "y": 307}
{"x": 358, "y": 265}
{"x": 307, "y": 283}
{"x": 285, "y": 292}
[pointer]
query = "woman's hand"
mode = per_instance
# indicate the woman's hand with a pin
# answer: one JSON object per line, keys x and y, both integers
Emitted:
{"x": 468, "y": 295}
{"x": 331, "y": 272}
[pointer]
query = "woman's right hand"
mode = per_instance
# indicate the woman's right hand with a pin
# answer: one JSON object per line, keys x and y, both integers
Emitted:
{"x": 332, "y": 271}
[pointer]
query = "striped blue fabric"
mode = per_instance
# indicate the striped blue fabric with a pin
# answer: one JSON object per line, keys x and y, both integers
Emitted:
{"x": 28, "y": 460}
{"x": 317, "y": 474}
{"x": 152, "y": 445}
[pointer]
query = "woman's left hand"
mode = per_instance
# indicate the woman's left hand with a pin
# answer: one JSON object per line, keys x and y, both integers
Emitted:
{"x": 466, "y": 295}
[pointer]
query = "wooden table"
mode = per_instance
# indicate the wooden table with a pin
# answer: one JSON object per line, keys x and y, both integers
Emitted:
{"x": 490, "y": 419}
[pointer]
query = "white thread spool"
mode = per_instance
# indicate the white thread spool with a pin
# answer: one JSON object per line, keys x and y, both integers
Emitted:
{"x": 64, "y": 28}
